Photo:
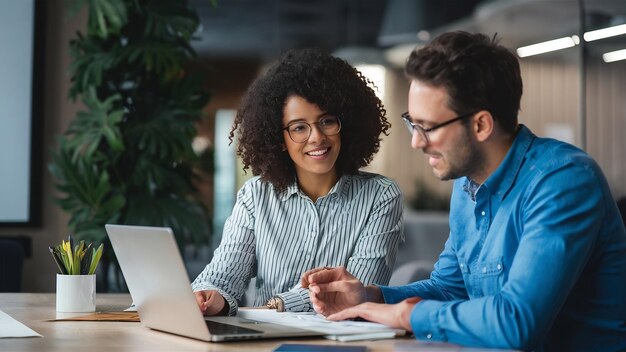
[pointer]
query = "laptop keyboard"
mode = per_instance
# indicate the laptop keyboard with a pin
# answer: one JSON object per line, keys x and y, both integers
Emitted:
{"x": 225, "y": 329}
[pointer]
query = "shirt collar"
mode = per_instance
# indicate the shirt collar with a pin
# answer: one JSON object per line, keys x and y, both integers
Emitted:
{"x": 291, "y": 190}
{"x": 502, "y": 179}
{"x": 471, "y": 188}
{"x": 338, "y": 189}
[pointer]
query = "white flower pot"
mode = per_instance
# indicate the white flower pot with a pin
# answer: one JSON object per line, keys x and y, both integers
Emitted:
{"x": 76, "y": 293}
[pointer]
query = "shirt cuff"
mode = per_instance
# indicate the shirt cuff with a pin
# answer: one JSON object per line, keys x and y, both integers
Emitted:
{"x": 232, "y": 303}
{"x": 296, "y": 300}
{"x": 425, "y": 320}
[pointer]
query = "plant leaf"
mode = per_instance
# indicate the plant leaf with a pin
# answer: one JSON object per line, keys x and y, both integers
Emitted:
{"x": 106, "y": 17}
{"x": 95, "y": 259}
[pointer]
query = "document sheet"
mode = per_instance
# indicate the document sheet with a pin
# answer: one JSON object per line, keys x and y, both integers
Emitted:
{"x": 10, "y": 327}
{"x": 336, "y": 330}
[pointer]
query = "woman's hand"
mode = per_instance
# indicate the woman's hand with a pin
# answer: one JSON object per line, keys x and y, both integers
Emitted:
{"x": 211, "y": 302}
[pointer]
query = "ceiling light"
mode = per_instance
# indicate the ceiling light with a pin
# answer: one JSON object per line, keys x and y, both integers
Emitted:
{"x": 614, "y": 56}
{"x": 550, "y": 45}
{"x": 605, "y": 33}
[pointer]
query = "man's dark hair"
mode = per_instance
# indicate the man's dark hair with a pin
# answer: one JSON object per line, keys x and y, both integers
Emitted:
{"x": 326, "y": 81}
{"x": 477, "y": 73}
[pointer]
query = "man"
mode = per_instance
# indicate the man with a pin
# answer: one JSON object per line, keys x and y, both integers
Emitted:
{"x": 536, "y": 257}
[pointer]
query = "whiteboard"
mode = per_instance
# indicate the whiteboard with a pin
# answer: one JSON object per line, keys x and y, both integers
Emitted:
{"x": 16, "y": 78}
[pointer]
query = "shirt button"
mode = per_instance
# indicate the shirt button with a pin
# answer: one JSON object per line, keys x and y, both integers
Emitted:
{"x": 499, "y": 266}
{"x": 484, "y": 269}
{"x": 429, "y": 336}
{"x": 483, "y": 213}
{"x": 461, "y": 265}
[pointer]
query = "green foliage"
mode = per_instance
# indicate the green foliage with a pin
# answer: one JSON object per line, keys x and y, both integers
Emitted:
{"x": 106, "y": 17}
{"x": 127, "y": 158}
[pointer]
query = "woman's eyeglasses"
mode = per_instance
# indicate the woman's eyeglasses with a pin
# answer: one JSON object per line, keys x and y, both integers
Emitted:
{"x": 300, "y": 131}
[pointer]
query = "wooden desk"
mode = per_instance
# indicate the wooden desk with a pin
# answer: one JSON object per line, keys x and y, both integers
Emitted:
{"x": 34, "y": 309}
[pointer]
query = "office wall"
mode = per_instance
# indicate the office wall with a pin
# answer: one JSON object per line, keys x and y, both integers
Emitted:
{"x": 552, "y": 100}
{"x": 39, "y": 270}
{"x": 606, "y": 121}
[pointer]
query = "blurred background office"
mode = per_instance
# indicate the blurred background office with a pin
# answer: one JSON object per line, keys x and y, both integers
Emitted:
{"x": 572, "y": 53}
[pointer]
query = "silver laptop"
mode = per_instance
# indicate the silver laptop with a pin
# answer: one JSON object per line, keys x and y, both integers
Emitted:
{"x": 160, "y": 288}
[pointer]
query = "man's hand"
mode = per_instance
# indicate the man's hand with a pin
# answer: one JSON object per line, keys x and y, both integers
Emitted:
{"x": 211, "y": 302}
{"x": 333, "y": 289}
{"x": 397, "y": 316}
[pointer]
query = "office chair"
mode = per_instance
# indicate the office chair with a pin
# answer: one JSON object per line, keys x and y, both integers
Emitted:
{"x": 11, "y": 263}
{"x": 412, "y": 271}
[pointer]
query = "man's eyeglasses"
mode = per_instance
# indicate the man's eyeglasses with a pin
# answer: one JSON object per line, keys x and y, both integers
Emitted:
{"x": 423, "y": 132}
{"x": 300, "y": 131}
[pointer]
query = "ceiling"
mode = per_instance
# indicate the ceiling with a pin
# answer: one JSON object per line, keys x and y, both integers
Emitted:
{"x": 262, "y": 29}
{"x": 524, "y": 22}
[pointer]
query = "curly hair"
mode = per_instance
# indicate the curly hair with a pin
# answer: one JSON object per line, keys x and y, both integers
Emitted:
{"x": 326, "y": 81}
{"x": 477, "y": 73}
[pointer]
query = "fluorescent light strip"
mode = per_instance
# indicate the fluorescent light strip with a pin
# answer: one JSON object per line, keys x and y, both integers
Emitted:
{"x": 614, "y": 56}
{"x": 550, "y": 45}
{"x": 605, "y": 33}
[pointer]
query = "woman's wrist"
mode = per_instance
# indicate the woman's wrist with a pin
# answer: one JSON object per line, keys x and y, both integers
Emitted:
{"x": 276, "y": 303}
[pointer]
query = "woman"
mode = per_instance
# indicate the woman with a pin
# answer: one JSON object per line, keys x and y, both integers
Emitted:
{"x": 304, "y": 128}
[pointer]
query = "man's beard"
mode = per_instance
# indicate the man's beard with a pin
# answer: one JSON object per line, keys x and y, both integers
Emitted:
{"x": 466, "y": 162}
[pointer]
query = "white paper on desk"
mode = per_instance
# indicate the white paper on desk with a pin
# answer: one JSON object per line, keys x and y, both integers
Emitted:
{"x": 316, "y": 322}
{"x": 10, "y": 327}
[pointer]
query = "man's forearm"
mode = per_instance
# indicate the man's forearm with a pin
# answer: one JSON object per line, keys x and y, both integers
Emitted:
{"x": 373, "y": 294}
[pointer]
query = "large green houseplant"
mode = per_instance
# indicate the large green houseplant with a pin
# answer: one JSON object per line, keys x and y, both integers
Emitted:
{"x": 128, "y": 157}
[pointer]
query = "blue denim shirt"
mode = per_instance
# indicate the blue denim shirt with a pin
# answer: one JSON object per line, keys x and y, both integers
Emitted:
{"x": 537, "y": 262}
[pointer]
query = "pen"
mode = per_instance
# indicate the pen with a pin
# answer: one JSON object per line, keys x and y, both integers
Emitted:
{"x": 57, "y": 261}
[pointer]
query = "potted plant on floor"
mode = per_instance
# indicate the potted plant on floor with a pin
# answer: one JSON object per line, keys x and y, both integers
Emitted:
{"x": 127, "y": 158}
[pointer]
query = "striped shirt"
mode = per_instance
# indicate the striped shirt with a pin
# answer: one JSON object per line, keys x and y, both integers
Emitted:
{"x": 276, "y": 237}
